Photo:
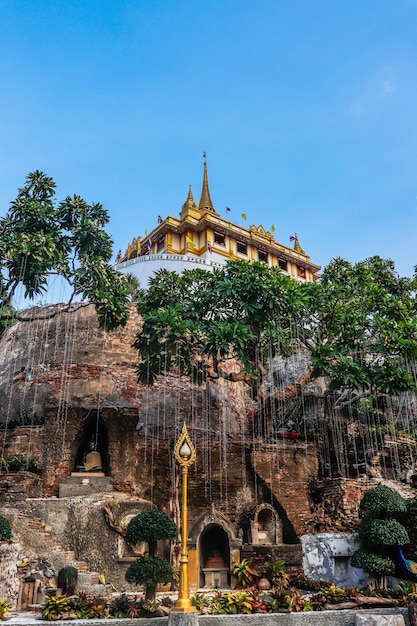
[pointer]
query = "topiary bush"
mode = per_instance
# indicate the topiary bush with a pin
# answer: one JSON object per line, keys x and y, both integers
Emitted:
{"x": 380, "y": 532}
{"x": 383, "y": 532}
{"x": 150, "y": 526}
{"x": 150, "y": 571}
{"x": 373, "y": 563}
{"x": 381, "y": 501}
{"x": 5, "y": 529}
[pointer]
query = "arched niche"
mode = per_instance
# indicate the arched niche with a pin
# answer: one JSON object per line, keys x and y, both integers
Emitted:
{"x": 93, "y": 435}
{"x": 214, "y": 548}
{"x": 266, "y": 528}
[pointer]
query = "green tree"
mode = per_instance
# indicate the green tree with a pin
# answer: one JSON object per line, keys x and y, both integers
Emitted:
{"x": 40, "y": 238}
{"x": 380, "y": 532}
{"x": 361, "y": 329}
{"x": 150, "y": 526}
{"x": 198, "y": 320}
{"x": 358, "y": 324}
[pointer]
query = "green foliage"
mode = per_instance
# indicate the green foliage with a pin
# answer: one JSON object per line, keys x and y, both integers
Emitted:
{"x": 55, "y": 607}
{"x": 67, "y": 579}
{"x": 18, "y": 463}
{"x": 4, "y": 607}
{"x": 373, "y": 563}
{"x": 358, "y": 323}
{"x": 119, "y": 606}
{"x": 40, "y": 238}
{"x": 382, "y": 501}
{"x": 149, "y": 571}
{"x": 245, "y": 574}
{"x": 363, "y": 326}
{"x": 383, "y": 532}
{"x": 5, "y": 529}
{"x": 150, "y": 526}
{"x": 24, "y": 419}
{"x": 409, "y": 519}
{"x": 201, "y": 316}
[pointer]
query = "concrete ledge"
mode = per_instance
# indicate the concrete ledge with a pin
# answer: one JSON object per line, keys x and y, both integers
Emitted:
{"x": 310, "y": 618}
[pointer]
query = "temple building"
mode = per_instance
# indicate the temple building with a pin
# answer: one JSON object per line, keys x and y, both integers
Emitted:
{"x": 200, "y": 237}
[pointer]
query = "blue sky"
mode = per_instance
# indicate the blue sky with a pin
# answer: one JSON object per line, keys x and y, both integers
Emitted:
{"x": 307, "y": 110}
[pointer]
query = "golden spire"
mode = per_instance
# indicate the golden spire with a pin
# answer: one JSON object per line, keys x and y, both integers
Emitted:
{"x": 297, "y": 247}
{"x": 205, "y": 200}
{"x": 190, "y": 207}
{"x": 190, "y": 202}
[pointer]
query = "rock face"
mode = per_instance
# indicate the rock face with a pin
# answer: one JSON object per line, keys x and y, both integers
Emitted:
{"x": 74, "y": 386}
{"x": 67, "y": 387}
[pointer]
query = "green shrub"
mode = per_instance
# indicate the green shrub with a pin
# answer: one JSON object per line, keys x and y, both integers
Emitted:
{"x": 19, "y": 463}
{"x": 5, "y": 529}
{"x": 382, "y": 501}
{"x": 150, "y": 526}
{"x": 150, "y": 571}
{"x": 383, "y": 532}
{"x": 67, "y": 579}
{"x": 373, "y": 563}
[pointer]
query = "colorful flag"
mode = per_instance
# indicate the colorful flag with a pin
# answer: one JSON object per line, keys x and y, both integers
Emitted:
{"x": 189, "y": 241}
{"x": 244, "y": 216}
{"x": 209, "y": 247}
{"x": 118, "y": 256}
{"x": 294, "y": 237}
{"x": 159, "y": 219}
{"x": 149, "y": 243}
{"x": 272, "y": 228}
{"x": 227, "y": 209}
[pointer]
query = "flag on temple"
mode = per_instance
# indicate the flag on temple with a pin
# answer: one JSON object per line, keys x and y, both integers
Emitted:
{"x": 210, "y": 248}
{"x": 227, "y": 209}
{"x": 294, "y": 237}
{"x": 159, "y": 219}
{"x": 149, "y": 243}
{"x": 118, "y": 257}
{"x": 244, "y": 216}
{"x": 189, "y": 241}
{"x": 272, "y": 228}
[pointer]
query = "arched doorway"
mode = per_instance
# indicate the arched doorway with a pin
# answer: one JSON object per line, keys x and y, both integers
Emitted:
{"x": 214, "y": 550}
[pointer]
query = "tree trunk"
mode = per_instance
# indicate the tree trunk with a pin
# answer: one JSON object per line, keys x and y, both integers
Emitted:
{"x": 150, "y": 592}
{"x": 412, "y": 609}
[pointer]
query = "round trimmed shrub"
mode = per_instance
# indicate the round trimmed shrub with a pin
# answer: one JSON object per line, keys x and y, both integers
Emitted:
{"x": 150, "y": 526}
{"x": 5, "y": 529}
{"x": 383, "y": 532}
{"x": 373, "y": 563}
{"x": 381, "y": 500}
{"x": 150, "y": 571}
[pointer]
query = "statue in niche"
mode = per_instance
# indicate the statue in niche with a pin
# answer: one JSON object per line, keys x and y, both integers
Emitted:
{"x": 92, "y": 460}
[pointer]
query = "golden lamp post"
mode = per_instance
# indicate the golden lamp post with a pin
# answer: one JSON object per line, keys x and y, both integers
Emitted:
{"x": 184, "y": 453}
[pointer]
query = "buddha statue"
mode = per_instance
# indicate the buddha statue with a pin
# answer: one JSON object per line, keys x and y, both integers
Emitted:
{"x": 92, "y": 460}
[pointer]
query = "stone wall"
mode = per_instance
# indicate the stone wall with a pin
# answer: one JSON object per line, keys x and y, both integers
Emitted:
{"x": 9, "y": 579}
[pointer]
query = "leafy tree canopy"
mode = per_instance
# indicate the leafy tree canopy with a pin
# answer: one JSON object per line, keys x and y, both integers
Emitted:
{"x": 40, "y": 238}
{"x": 358, "y": 324}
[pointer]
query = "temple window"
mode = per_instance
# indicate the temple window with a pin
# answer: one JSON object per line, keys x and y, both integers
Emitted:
{"x": 301, "y": 272}
{"x": 262, "y": 256}
{"x": 242, "y": 248}
{"x": 219, "y": 238}
{"x": 161, "y": 244}
{"x": 283, "y": 264}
